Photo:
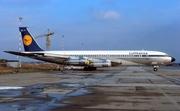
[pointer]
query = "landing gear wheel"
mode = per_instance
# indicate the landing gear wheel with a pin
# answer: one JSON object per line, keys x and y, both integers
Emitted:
{"x": 155, "y": 69}
{"x": 85, "y": 68}
{"x": 89, "y": 68}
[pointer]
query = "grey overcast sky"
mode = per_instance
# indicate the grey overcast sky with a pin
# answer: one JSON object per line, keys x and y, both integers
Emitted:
{"x": 98, "y": 24}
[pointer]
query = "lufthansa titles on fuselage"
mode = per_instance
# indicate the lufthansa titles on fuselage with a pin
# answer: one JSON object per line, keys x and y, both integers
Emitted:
{"x": 138, "y": 53}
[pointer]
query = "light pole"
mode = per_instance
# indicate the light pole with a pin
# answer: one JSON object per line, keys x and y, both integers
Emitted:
{"x": 82, "y": 46}
{"x": 62, "y": 42}
{"x": 20, "y": 20}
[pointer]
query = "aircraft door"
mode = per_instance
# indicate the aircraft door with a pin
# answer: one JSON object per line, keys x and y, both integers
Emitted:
{"x": 147, "y": 57}
{"x": 107, "y": 56}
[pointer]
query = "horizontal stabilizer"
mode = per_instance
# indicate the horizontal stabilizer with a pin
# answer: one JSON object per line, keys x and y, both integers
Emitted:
{"x": 23, "y": 54}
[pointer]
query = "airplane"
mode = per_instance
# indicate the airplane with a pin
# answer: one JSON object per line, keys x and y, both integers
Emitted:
{"x": 92, "y": 59}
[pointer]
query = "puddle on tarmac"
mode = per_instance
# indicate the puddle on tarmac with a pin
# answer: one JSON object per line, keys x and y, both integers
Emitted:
{"x": 31, "y": 97}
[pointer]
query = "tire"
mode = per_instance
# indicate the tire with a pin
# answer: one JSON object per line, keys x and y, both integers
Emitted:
{"x": 155, "y": 69}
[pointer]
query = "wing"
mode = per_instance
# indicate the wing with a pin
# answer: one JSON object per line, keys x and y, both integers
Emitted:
{"x": 54, "y": 58}
{"x": 67, "y": 60}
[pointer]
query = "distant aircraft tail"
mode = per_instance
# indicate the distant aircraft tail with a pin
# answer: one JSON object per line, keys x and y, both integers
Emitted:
{"x": 28, "y": 41}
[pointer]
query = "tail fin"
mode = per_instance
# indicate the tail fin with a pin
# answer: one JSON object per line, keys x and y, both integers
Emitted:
{"x": 28, "y": 41}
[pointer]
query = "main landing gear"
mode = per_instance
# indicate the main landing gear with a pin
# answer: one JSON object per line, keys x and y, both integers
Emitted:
{"x": 89, "y": 68}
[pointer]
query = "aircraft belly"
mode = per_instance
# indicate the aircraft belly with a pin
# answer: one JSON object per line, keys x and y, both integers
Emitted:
{"x": 127, "y": 62}
{"x": 135, "y": 61}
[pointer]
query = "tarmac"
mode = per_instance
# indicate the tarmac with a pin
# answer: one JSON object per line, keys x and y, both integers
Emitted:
{"x": 113, "y": 89}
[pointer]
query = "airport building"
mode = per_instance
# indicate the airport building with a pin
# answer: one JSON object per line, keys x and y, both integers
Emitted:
{"x": 13, "y": 64}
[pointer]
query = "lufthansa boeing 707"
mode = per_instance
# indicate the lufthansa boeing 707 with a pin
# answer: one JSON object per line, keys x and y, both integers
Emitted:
{"x": 92, "y": 59}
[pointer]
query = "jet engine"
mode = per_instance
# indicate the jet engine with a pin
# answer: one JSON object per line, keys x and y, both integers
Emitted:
{"x": 107, "y": 63}
{"x": 79, "y": 61}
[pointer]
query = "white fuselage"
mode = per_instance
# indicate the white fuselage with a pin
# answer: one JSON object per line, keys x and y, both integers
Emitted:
{"x": 131, "y": 57}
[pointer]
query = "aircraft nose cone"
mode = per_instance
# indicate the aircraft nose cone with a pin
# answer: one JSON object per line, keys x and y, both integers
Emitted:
{"x": 172, "y": 59}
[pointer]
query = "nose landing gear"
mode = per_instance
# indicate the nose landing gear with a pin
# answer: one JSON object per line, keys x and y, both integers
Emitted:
{"x": 155, "y": 68}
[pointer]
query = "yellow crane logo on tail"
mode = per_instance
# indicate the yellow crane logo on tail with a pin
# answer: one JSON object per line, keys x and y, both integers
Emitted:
{"x": 27, "y": 40}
